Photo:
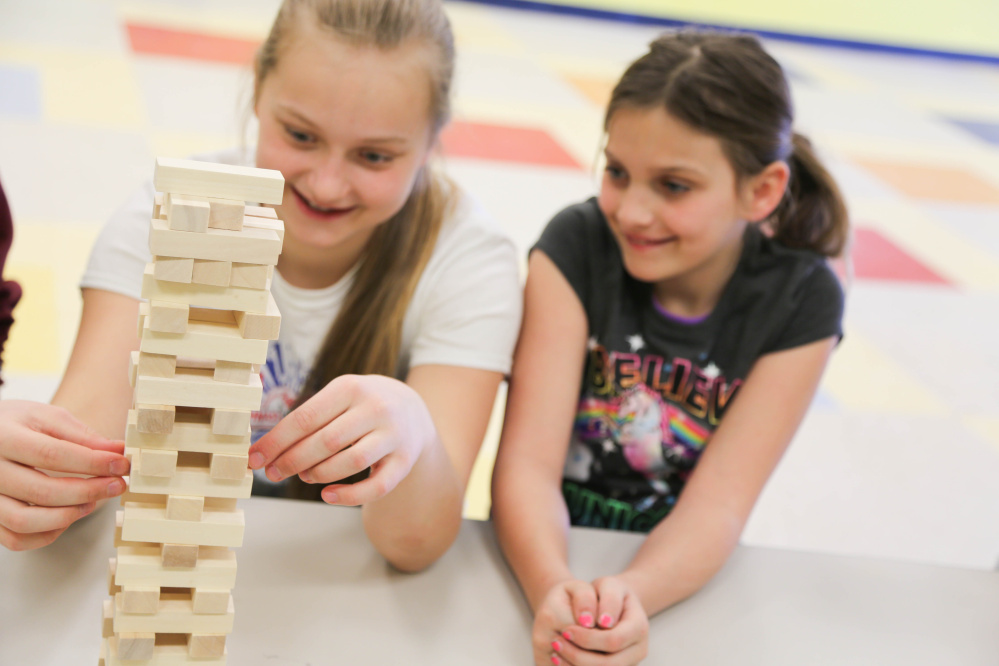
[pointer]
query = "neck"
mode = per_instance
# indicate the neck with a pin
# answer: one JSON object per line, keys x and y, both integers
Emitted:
{"x": 695, "y": 294}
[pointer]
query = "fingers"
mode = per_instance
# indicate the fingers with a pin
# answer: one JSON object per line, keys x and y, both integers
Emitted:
{"x": 47, "y": 452}
{"x": 59, "y": 423}
{"x": 572, "y": 654}
{"x": 34, "y": 487}
{"x": 23, "y": 526}
{"x": 610, "y": 604}
{"x": 14, "y": 541}
{"x": 631, "y": 631}
{"x": 584, "y": 604}
{"x": 384, "y": 478}
{"x": 324, "y": 446}
{"x": 310, "y": 416}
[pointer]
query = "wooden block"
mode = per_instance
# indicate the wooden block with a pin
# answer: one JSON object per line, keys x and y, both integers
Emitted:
{"x": 206, "y": 646}
{"x": 252, "y": 276}
{"x": 225, "y": 214}
{"x": 226, "y": 466}
{"x": 208, "y": 296}
{"x": 187, "y": 213}
{"x": 143, "y": 316}
{"x": 215, "y": 273}
{"x": 264, "y": 325}
{"x": 206, "y": 339}
{"x": 154, "y": 418}
{"x": 136, "y": 646}
{"x": 214, "y": 316}
{"x": 173, "y": 269}
{"x": 179, "y": 555}
{"x": 176, "y": 616}
{"x": 191, "y": 481}
{"x": 167, "y": 317}
{"x": 274, "y": 224}
{"x": 185, "y": 507}
{"x": 194, "y": 387}
{"x": 156, "y": 365}
{"x": 224, "y": 181}
{"x": 113, "y": 587}
{"x": 107, "y": 618}
{"x": 148, "y": 523}
{"x": 159, "y": 209}
{"x": 232, "y": 372}
{"x": 140, "y": 600}
{"x": 191, "y": 432}
{"x": 155, "y": 462}
{"x": 189, "y": 566}
{"x": 260, "y": 244}
{"x": 260, "y": 211}
{"x": 230, "y": 421}
{"x": 169, "y": 650}
{"x": 211, "y": 601}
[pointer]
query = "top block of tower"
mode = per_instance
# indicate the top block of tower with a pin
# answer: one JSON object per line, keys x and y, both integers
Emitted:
{"x": 221, "y": 181}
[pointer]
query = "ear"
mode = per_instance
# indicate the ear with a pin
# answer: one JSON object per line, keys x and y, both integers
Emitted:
{"x": 762, "y": 192}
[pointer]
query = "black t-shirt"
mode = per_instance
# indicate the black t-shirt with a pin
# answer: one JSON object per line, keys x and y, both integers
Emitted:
{"x": 655, "y": 387}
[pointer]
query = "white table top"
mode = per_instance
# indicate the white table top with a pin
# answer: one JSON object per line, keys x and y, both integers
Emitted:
{"x": 312, "y": 590}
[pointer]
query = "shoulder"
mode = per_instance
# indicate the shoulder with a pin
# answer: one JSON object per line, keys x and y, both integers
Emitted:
{"x": 576, "y": 226}
{"x": 802, "y": 273}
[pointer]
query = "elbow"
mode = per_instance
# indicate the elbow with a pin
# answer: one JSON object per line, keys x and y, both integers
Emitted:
{"x": 415, "y": 547}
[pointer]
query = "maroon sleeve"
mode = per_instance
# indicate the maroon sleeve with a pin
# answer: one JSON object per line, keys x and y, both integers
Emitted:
{"x": 10, "y": 291}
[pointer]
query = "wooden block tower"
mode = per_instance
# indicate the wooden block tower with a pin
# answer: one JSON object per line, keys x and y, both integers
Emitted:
{"x": 196, "y": 377}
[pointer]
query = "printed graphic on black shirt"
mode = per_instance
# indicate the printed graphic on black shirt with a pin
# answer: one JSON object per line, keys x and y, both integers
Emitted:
{"x": 641, "y": 426}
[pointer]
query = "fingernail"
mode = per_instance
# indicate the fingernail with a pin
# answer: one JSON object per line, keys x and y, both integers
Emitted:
{"x": 115, "y": 487}
{"x": 119, "y": 468}
{"x": 556, "y": 660}
{"x": 330, "y": 497}
{"x": 86, "y": 508}
{"x": 566, "y": 635}
{"x": 556, "y": 646}
{"x": 586, "y": 620}
{"x": 256, "y": 460}
{"x": 606, "y": 620}
{"x": 273, "y": 474}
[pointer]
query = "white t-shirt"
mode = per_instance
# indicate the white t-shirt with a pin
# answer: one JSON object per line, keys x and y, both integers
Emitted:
{"x": 464, "y": 312}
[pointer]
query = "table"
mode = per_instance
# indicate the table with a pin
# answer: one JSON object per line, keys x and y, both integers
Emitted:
{"x": 312, "y": 591}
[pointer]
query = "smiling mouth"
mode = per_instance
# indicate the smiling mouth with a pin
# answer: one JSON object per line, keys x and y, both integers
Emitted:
{"x": 648, "y": 242}
{"x": 319, "y": 209}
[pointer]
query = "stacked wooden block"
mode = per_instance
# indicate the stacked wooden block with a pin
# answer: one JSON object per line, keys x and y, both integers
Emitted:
{"x": 204, "y": 333}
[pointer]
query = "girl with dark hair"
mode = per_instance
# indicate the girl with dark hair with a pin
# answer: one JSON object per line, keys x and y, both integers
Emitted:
{"x": 675, "y": 330}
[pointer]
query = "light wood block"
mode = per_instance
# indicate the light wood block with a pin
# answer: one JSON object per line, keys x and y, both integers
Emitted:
{"x": 148, "y": 524}
{"x": 119, "y": 542}
{"x": 185, "y": 507}
{"x": 209, "y": 567}
{"x": 260, "y": 211}
{"x": 191, "y": 432}
{"x": 257, "y": 325}
{"x": 259, "y": 244}
{"x": 143, "y": 600}
{"x": 135, "y": 646}
{"x": 167, "y": 317}
{"x": 154, "y": 418}
{"x": 176, "y": 616}
{"x": 155, "y": 462}
{"x": 187, "y": 213}
{"x": 113, "y": 587}
{"x": 156, "y": 365}
{"x": 159, "y": 208}
{"x": 232, "y": 372}
{"x": 252, "y": 276}
{"x": 224, "y": 181}
{"x": 230, "y": 421}
{"x": 211, "y": 601}
{"x": 170, "y": 650}
{"x": 191, "y": 481}
{"x": 215, "y": 273}
{"x": 213, "y": 315}
{"x": 207, "y": 296}
{"x": 107, "y": 617}
{"x": 225, "y": 214}
{"x": 194, "y": 387}
{"x": 229, "y": 467}
{"x": 274, "y": 224}
{"x": 173, "y": 269}
{"x": 206, "y": 646}
{"x": 205, "y": 339}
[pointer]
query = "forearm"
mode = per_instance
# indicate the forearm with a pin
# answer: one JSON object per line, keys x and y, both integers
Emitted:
{"x": 680, "y": 556}
{"x": 417, "y": 521}
{"x": 532, "y": 526}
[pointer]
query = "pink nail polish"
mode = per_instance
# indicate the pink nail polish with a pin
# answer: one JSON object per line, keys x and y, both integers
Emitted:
{"x": 586, "y": 619}
{"x": 605, "y": 620}
{"x": 556, "y": 646}
{"x": 566, "y": 635}
{"x": 555, "y": 660}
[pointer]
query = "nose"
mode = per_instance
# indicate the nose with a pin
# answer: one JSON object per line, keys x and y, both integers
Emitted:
{"x": 328, "y": 181}
{"x": 634, "y": 209}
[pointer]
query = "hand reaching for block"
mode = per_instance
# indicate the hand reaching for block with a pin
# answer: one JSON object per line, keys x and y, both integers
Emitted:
{"x": 38, "y": 443}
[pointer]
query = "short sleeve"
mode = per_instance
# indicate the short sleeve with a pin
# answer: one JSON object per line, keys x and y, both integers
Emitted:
{"x": 568, "y": 242}
{"x": 818, "y": 313}
{"x": 467, "y": 307}
{"x": 121, "y": 252}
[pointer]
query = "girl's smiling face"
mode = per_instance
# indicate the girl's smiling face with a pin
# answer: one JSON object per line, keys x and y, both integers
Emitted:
{"x": 349, "y": 127}
{"x": 674, "y": 204}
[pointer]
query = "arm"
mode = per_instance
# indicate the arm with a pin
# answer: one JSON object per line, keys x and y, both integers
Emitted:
{"x": 529, "y": 512}
{"x": 686, "y": 549}
{"x": 36, "y": 507}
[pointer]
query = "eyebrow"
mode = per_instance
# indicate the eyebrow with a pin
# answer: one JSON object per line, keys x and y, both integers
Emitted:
{"x": 310, "y": 125}
{"x": 665, "y": 170}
